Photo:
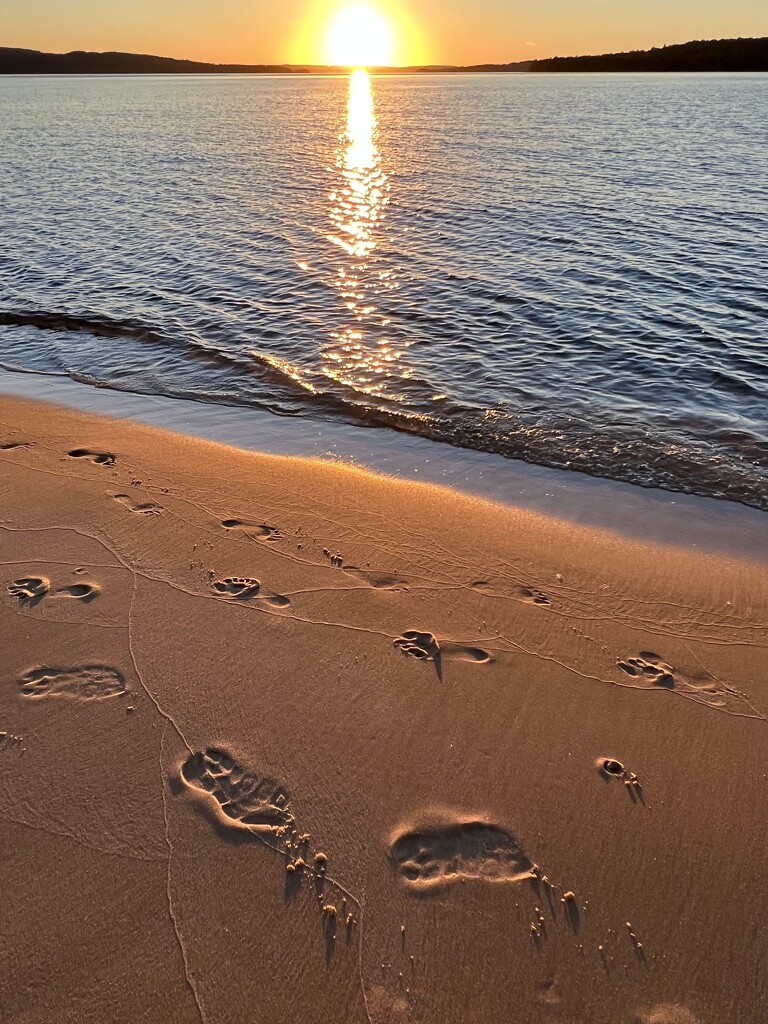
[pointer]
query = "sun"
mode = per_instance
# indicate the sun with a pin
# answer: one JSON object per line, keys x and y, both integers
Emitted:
{"x": 359, "y": 37}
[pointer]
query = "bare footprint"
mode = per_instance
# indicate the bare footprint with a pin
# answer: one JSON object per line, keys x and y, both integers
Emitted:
{"x": 424, "y": 645}
{"x": 654, "y": 672}
{"x": 451, "y": 849}
{"x": 247, "y": 799}
{"x": 239, "y": 588}
{"x": 99, "y": 458}
{"x": 529, "y": 595}
{"x": 377, "y": 580}
{"x": 648, "y": 671}
{"x": 243, "y": 588}
{"x": 9, "y": 446}
{"x": 146, "y": 508}
{"x": 84, "y": 592}
{"x": 261, "y": 531}
{"x": 419, "y": 644}
{"x": 90, "y": 682}
{"x": 29, "y": 589}
{"x": 667, "y": 1013}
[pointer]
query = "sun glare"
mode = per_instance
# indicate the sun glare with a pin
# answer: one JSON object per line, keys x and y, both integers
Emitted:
{"x": 359, "y": 37}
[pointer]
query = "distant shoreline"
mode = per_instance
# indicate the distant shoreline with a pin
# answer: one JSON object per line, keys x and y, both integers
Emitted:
{"x": 729, "y": 55}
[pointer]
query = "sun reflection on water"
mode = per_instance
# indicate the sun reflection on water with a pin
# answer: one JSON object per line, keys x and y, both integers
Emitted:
{"x": 361, "y": 355}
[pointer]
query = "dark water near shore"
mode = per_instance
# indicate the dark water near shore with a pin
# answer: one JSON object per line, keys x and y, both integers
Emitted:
{"x": 571, "y": 270}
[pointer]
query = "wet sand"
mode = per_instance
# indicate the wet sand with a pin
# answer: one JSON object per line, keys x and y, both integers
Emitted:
{"x": 288, "y": 741}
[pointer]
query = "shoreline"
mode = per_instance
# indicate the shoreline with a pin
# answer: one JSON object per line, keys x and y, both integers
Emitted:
{"x": 292, "y": 734}
{"x": 636, "y": 512}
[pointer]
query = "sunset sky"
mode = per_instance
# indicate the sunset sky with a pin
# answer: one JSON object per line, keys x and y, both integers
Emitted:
{"x": 422, "y": 31}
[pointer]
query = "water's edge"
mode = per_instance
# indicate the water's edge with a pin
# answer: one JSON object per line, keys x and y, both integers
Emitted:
{"x": 639, "y": 514}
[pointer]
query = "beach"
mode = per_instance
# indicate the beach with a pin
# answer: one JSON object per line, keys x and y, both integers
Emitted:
{"x": 283, "y": 740}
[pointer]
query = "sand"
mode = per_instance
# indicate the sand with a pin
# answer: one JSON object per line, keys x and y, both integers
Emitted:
{"x": 285, "y": 741}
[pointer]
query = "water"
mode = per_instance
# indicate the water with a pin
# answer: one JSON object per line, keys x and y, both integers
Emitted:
{"x": 570, "y": 270}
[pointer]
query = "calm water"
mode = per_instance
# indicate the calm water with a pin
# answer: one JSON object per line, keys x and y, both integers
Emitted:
{"x": 572, "y": 270}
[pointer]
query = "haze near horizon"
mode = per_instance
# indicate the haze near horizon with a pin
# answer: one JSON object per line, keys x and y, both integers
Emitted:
{"x": 377, "y": 33}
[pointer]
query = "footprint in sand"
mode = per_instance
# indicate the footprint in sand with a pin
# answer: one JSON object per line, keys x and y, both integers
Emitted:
{"x": 9, "y": 446}
{"x": 261, "y": 531}
{"x": 656, "y": 672}
{"x": 243, "y": 588}
{"x": 425, "y": 646}
{"x": 377, "y": 580}
{"x": 240, "y": 588}
{"x": 453, "y": 849}
{"x": 260, "y": 806}
{"x": 146, "y": 508}
{"x": 89, "y": 682}
{"x": 9, "y": 742}
{"x": 30, "y": 590}
{"x": 99, "y": 458}
{"x": 528, "y": 595}
{"x": 666, "y": 1013}
{"x": 84, "y": 592}
{"x": 649, "y": 671}
{"x": 531, "y": 596}
{"x": 247, "y": 799}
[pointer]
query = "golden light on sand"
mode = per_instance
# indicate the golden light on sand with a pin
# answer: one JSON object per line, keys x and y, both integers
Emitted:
{"x": 360, "y": 36}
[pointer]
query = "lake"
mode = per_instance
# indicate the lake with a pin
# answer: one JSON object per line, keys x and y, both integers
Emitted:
{"x": 571, "y": 270}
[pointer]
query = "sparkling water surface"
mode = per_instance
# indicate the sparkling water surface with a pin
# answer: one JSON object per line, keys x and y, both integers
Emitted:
{"x": 567, "y": 269}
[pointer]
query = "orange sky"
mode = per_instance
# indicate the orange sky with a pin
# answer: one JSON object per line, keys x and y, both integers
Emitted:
{"x": 426, "y": 31}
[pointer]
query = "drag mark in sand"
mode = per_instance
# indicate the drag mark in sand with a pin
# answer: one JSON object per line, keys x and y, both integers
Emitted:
{"x": 450, "y": 849}
{"x": 86, "y": 682}
{"x": 188, "y": 975}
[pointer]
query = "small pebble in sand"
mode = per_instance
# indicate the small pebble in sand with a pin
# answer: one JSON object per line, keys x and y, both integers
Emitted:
{"x": 320, "y": 858}
{"x": 290, "y": 867}
{"x": 567, "y": 897}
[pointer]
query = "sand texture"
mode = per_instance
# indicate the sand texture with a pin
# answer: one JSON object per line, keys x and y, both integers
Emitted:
{"x": 283, "y": 741}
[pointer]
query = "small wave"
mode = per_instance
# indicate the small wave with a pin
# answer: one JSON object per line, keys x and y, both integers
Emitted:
{"x": 598, "y": 446}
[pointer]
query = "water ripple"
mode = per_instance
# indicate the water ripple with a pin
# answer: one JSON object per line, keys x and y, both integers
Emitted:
{"x": 569, "y": 270}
